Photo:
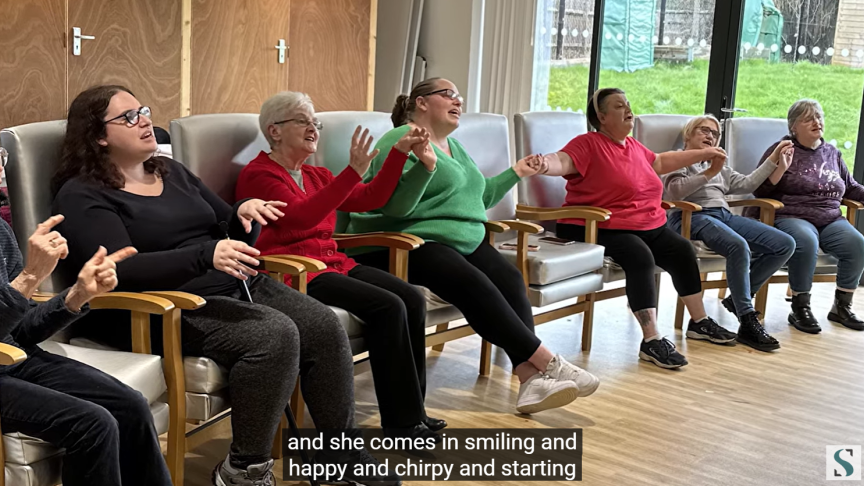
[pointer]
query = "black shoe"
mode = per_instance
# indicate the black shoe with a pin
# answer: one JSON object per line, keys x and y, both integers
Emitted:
{"x": 707, "y": 329}
{"x": 729, "y": 305}
{"x": 753, "y": 334}
{"x": 802, "y": 317}
{"x": 419, "y": 431}
{"x": 434, "y": 424}
{"x": 351, "y": 459}
{"x": 841, "y": 312}
{"x": 662, "y": 353}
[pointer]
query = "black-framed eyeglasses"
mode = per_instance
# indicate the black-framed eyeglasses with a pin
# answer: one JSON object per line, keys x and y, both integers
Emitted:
{"x": 4, "y": 157}
{"x": 303, "y": 122}
{"x": 132, "y": 116}
{"x": 448, "y": 93}
{"x": 708, "y": 130}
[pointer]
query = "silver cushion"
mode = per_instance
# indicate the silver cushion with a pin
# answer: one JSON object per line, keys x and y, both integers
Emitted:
{"x": 159, "y": 411}
{"x": 203, "y": 375}
{"x": 554, "y": 263}
{"x": 141, "y": 372}
{"x": 660, "y": 133}
{"x": 748, "y": 138}
{"x": 334, "y": 142}
{"x": 23, "y": 449}
{"x": 200, "y": 406}
{"x": 612, "y": 272}
{"x": 543, "y": 295}
{"x": 42, "y": 473}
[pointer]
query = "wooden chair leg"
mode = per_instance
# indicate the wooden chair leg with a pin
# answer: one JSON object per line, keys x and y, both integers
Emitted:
{"x": 788, "y": 291}
{"x": 485, "y": 358}
{"x": 588, "y": 322}
{"x": 276, "y": 452}
{"x": 657, "y": 278}
{"x": 297, "y": 405}
{"x": 762, "y": 300}
{"x": 441, "y": 328}
{"x": 721, "y": 292}
{"x": 176, "y": 381}
{"x": 679, "y": 314}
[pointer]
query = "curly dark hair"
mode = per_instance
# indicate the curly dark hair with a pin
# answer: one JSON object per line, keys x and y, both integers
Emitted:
{"x": 81, "y": 155}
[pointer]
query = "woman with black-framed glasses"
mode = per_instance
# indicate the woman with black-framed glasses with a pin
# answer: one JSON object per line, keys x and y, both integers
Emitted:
{"x": 114, "y": 192}
{"x": 443, "y": 198}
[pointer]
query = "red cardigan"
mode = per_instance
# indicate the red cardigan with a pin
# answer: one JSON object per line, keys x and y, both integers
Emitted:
{"x": 310, "y": 217}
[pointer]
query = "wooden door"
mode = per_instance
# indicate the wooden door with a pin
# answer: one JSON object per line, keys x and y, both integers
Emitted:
{"x": 137, "y": 45}
{"x": 32, "y": 61}
{"x": 235, "y": 64}
{"x": 333, "y": 52}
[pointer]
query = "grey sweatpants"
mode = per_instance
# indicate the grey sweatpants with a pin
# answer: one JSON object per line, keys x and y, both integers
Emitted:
{"x": 264, "y": 345}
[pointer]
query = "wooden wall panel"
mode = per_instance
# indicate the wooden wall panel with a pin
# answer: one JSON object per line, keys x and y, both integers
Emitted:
{"x": 138, "y": 44}
{"x": 32, "y": 61}
{"x": 234, "y": 60}
{"x": 332, "y": 52}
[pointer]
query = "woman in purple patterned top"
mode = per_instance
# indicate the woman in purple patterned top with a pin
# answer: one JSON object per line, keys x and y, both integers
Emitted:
{"x": 811, "y": 190}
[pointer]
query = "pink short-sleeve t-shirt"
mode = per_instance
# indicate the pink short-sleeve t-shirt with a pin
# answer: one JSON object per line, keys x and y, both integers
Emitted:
{"x": 616, "y": 177}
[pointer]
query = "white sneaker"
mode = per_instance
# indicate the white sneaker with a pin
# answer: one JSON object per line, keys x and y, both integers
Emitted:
{"x": 254, "y": 475}
{"x": 542, "y": 392}
{"x": 560, "y": 369}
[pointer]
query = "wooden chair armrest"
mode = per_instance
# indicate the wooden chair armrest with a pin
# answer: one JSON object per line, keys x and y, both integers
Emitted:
{"x": 291, "y": 264}
{"x": 148, "y": 304}
{"x": 761, "y": 203}
{"x": 42, "y": 297}
{"x": 400, "y": 241}
{"x": 852, "y": 204}
{"x": 534, "y": 213}
{"x": 496, "y": 227}
{"x": 852, "y": 208}
{"x": 684, "y": 206}
{"x": 181, "y": 300}
{"x": 524, "y": 227}
{"x": 404, "y": 236}
{"x": 667, "y": 205}
{"x": 767, "y": 207}
{"x": 10, "y": 355}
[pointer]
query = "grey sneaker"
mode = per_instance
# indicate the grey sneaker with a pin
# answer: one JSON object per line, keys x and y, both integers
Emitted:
{"x": 254, "y": 475}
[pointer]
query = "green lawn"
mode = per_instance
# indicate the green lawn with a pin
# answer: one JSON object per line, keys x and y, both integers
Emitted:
{"x": 764, "y": 90}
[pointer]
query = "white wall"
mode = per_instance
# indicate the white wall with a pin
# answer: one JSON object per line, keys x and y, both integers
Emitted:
{"x": 396, "y": 47}
{"x": 451, "y": 35}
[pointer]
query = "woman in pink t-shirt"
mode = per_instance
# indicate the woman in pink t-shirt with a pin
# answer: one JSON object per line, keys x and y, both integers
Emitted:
{"x": 611, "y": 170}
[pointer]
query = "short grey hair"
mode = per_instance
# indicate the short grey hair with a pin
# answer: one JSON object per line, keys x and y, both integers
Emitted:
{"x": 696, "y": 121}
{"x": 802, "y": 108}
{"x": 278, "y": 107}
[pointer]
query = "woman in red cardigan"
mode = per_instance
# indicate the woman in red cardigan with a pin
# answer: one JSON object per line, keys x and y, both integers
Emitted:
{"x": 393, "y": 310}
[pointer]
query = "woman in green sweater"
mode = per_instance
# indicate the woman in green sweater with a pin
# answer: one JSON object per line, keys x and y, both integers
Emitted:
{"x": 442, "y": 198}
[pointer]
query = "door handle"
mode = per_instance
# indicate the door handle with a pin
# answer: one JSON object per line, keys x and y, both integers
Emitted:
{"x": 733, "y": 110}
{"x": 77, "y": 37}
{"x": 282, "y": 48}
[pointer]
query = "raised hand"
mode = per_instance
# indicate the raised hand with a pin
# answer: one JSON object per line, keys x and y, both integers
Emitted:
{"x": 413, "y": 137}
{"x": 786, "y": 156}
{"x": 361, "y": 157}
{"x": 232, "y": 257}
{"x": 44, "y": 249}
{"x": 97, "y": 276}
{"x": 260, "y": 211}
{"x": 425, "y": 151}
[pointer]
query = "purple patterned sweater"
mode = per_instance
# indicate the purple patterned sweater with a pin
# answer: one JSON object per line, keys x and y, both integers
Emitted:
{"x": 814, "y": 184}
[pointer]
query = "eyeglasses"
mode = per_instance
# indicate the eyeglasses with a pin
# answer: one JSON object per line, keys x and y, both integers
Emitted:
{"x": 706, "y": 131}
{"x": 4, "y": 157}
{"x": 448, "y": 93}
{"x": 132, "y": 116}
{"x": 303, "y": 122}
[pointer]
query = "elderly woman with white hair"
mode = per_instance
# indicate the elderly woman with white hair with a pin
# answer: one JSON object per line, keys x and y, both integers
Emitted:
{"x": 394, "y": 311}
{"x": 812, "y": 190}
{"x": 753, "y": 251}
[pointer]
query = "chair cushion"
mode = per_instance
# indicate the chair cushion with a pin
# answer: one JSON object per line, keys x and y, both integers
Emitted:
{"x": 555, "y": 263}
{"x": 612, "y": 272}
{"x": 711, "y": 264}
{"x": 23, "y": 449}
{"x": 42, "y": 473}
{"x": 543, "y": 295}
{"x": 159, "y": 411}
{"x": 141, "y": 372}
{"x": 202, "y": 407}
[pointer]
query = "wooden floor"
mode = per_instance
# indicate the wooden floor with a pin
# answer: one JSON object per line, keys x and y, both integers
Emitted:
{"x": 734, "y": 416}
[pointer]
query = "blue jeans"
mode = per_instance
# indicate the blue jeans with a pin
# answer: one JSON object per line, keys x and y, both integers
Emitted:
{"x": 753, "y": 251}
{"x": 838, "y": 239}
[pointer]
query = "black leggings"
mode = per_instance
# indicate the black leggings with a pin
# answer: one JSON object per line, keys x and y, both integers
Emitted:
{"x": 395, "y": 333}
{"x": 638, "y": 252}
{"x": 486, "y": 288}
